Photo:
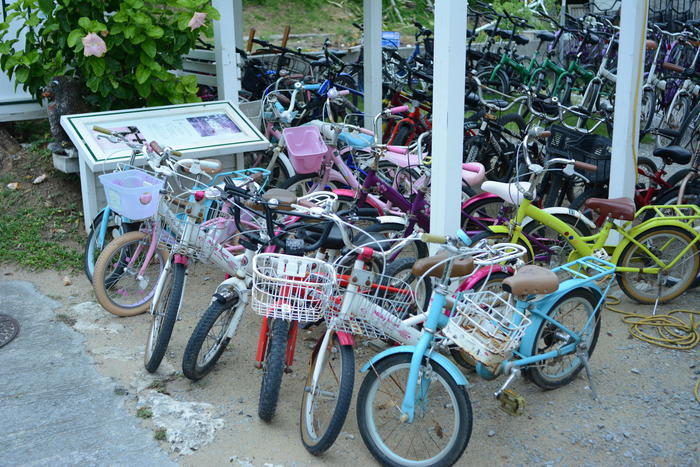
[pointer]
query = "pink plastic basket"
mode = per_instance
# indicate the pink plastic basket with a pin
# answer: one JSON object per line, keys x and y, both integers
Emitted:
{"x": 305, "y": 148}
{"x": 132, "y": 193}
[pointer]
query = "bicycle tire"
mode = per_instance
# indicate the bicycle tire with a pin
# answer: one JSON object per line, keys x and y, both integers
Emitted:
{"x": 500, "y": 82}
{"x": 194, "y": 367}
{"x": 690, "y": 130}
{"x": 109, "y": 272}
{"x": 676, "y": 122}
{"x": 631, "y": 282}
{"x": 165, "y": 311}
{"x": 500, "y": 163}
{"x": 91, "y": 251}
{"x": 647, "y": 110}
{"x": 402, "y": 269}
{"x": 455, "y": 403}
{"x": 480, "y": 214}
{"x": 303, "y": 184}
{"x": 273, "y": 368}
{"x": 548, "y": 336}
{"x": 315, "y": 438}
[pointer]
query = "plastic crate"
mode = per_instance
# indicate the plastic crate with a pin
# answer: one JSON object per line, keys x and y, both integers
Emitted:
{"x": 305, "y": 148}
{"x": 589, "y": 148}
{"x": 132, "y": 193}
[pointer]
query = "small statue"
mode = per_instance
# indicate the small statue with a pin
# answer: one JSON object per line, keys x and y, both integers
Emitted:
{"x": 65, "y": 96}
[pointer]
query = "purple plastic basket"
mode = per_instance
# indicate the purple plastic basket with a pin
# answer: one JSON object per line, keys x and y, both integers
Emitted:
{"x": 305, "y": 148}
{"x": 132, "y": 193}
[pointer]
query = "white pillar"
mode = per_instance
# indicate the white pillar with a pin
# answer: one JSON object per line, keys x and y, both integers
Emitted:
{"x": 448, "y": 115}
{"x": 623, "y": 166}
{"x": 238, "y": 22}
{"x": 225, "y": 34}
{"x": 372, "y": 60}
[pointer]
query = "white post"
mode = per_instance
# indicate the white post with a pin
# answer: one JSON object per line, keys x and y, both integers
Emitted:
{"x": 238, "y": 22}
{"x": 372, "y": 61}
{"x": 448, "y": 115}
{"x": 623, "y": 166}
{"x": 225, "y": 34}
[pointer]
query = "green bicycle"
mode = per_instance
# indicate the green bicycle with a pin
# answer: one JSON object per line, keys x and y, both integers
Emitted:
{"x": 656, "y": 260}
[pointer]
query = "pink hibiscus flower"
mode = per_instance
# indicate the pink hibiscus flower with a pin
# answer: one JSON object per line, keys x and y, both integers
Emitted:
{"x": 94, "y": 45}
{"x": 197, "y": 20}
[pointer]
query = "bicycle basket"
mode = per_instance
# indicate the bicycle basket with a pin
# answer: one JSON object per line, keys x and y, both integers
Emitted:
{"x": 589, "y": 148}
{"x": 132, "y": 193}
{"x": 210, "y": 232}
{"x": 305, "y": 148}
{"x": 377, "y": 306}
{"x": 291, "y": 287}
{"x": 486, "y": 326}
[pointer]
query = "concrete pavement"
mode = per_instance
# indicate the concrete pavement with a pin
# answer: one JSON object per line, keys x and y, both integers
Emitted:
{"x": 54, "y": 406}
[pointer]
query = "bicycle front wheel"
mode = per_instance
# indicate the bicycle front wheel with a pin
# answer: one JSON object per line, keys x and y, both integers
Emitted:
{"x": 442, "y": 425}
{"x": 324, "y": 406}
{"x": 273, "y": 368}
{"x": 165, "y": 310}
{"x": 210, "y": 337}
{"x": 94, "y": 244}
{"x": 578, "y": 312}
{"x": 666, "y": 243}
{"x": 119, "y": 285}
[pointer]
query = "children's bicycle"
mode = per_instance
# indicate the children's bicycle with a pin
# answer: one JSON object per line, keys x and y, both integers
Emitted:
{"x": 656, "y": 260}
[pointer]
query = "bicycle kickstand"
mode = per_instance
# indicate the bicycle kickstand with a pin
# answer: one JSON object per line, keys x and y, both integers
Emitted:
{"x": 582, "y": 353}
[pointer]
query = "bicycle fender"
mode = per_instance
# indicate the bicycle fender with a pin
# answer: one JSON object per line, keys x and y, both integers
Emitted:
{"x": 559, "y": 210}
{"x": 233, "y": 282}
{"x": 484, "y": 271}
{"x": 440, "y": 359}
{"x": 473, "y": 199}
{"x": 282, "y": 157}
{"x": 647, "y": 225}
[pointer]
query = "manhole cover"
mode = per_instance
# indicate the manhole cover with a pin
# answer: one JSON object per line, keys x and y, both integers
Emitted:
{"x": 9, "y": 327}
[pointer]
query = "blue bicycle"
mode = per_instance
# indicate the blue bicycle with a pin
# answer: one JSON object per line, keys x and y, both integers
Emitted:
{"x": 413, "y": 407}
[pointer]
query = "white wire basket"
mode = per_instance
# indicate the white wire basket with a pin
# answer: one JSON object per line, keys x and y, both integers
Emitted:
{"x": 380, "y": 303}
{"x": 486, "y": 326}
{"x": 210, "y": 230}
{"x": 291, "y": 287}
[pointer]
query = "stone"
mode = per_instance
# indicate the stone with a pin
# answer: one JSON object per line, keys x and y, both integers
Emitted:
{"x": 635, "y": 371}
{"x": 491, "y": 433}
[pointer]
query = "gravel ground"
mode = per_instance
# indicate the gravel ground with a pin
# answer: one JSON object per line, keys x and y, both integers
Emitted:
{"x": 645, "y": 413}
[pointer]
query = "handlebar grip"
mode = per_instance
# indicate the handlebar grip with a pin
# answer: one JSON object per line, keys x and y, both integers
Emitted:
{"x": 343, "y": 92}
{"x": 585, "y": 166}
{"x": 397, "y": 110}
{"x": 672, "y": 67}
{"x": 366, "y": 131}
{"x": 433, "y": 238}
{"x": 358, "y": 26}
{"x": 544, "y": 134}
{"x": 99, "y": 129}
{"x": 176, "y": 153}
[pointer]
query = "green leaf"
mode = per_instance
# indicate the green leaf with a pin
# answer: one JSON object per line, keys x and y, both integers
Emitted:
{"x": 93, "y": 83}
{"x": 144, "y": 89}
{"x": 46, "y": 6}
{"x": 155, "y": 32}
{"x": 141, "y": 18}
{"x": 22, "y": 74}
{"x": 142, "y": 74}
{"x": 84, "y": 22}
{"x": 130, "y": 31}
{"x": 149, "y": 47}
{"x": 97, "y": 65}
{"x": 73, "y": 37}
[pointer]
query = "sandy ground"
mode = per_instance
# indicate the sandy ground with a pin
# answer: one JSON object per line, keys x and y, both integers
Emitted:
{"x": 645, "y": 413}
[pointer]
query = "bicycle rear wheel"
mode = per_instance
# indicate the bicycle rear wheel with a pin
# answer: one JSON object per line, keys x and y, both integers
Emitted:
{"x": 115, "y": 229}
{"x": 577, "y": 311}
{"x": 442, "y": 425}
{"x": 119, "y": 287}
{"x": 164, "y": 311}
{"x": 324, "y": 407}
{"x": 666, "y": 243}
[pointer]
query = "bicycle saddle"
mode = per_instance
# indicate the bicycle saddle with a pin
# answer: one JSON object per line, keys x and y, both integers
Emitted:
{"x": 520, "y": 40}
{"x": 356, "y": 141}
{"x": 460, "y": 267}
{"x": 530, "y": 280}
{"x": 508, "y": 192}
{"x": 650, "y": 45}
{"x": 674, "y": 154}
{"x": 545, "y": 36}
{"x": 593, "y": 39}
{"x": 496, "y": 32}
{"x": 617, "y": 208}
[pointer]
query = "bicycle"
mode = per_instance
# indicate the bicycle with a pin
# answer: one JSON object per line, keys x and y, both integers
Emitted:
{"x": 656, "y": 260}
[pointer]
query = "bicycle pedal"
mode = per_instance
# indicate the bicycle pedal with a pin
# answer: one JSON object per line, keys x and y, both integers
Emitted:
{"x": 511, "y": 402}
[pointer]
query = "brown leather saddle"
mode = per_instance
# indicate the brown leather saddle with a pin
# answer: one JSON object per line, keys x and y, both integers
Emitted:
{"x": 530, "y": 280}
{"x": 460, "y": 267}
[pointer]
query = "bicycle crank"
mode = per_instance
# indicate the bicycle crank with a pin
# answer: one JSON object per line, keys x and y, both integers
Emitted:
{"x": 511, "y": 402}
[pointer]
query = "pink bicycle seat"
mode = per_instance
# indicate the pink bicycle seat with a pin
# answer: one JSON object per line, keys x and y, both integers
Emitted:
{"x": 473, "y": 173}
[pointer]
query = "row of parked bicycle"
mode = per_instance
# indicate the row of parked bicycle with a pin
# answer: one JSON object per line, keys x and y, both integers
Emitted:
{"x": 341, "y": 247}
